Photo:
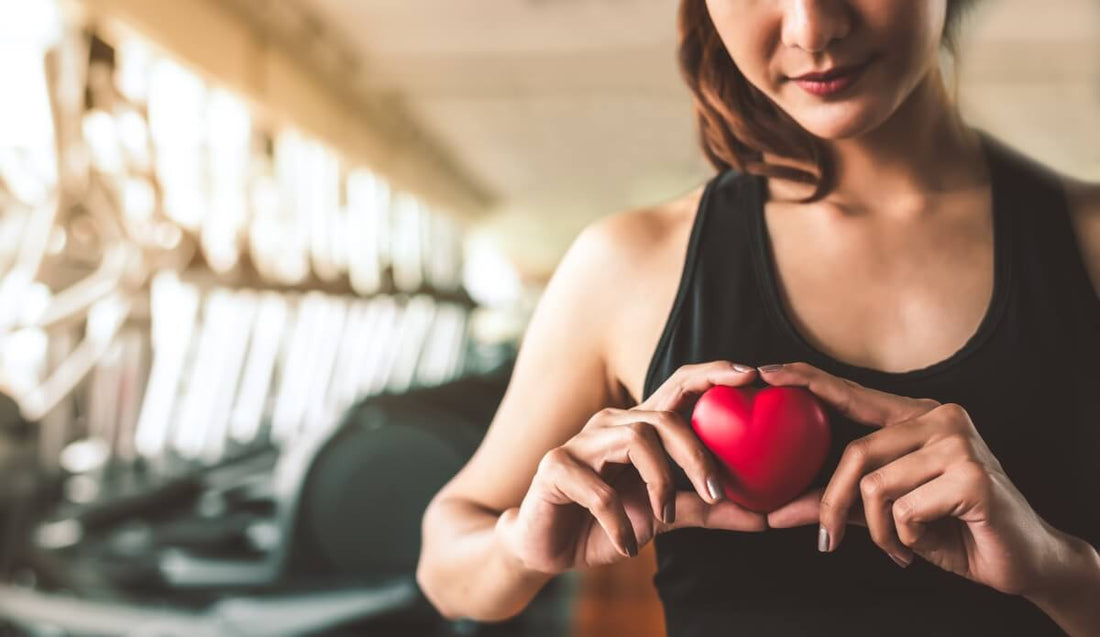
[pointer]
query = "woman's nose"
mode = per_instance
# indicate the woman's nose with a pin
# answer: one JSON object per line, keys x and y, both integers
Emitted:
{"x": 811, "y": 25}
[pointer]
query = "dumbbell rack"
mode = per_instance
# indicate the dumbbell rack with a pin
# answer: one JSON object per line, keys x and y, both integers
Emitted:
{"x": 185, "y": 383}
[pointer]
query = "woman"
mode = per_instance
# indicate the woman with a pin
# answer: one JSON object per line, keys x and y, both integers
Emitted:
{"x": 937, "y": 290}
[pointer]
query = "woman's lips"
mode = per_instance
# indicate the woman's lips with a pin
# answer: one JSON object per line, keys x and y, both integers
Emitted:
{"x": 833, "y": 85}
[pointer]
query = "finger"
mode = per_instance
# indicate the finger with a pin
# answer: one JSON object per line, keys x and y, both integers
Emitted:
{"x": 578, "y": 483}
{"x": 693, "y": 511}
{"x": 860, "y": 457}
{"x": 805, "y": 510}
{"x": 692, "y": 380}
{"x": 883, "y": 486}
{"x": 686, "y": 450}
{"x": 635, "y": 443}
{"x": 959, "y": 490}
{"x": 861, "y": 404}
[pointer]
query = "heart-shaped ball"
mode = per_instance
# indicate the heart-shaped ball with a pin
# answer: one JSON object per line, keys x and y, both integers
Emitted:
{"x": 771, "y": 441}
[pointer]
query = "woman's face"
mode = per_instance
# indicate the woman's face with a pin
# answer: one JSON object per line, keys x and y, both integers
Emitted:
{"x": 772, "y": 41}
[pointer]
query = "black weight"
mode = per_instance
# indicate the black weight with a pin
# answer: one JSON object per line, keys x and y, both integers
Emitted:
{"x": 365, "y": 494}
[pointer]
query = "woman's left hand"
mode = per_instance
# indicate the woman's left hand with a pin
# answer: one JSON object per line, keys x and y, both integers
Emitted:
{"x": 929, "y": 485}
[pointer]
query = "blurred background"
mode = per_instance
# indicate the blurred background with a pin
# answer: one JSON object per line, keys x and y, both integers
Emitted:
{"x": 265, "y": 265}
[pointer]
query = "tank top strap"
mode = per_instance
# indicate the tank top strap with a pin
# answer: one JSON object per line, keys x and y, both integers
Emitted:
{"x": 716, "y": 268}
{"x": 727, "y": 231}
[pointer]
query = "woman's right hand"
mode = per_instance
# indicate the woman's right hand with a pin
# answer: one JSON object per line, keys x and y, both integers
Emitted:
{"x": 609, "y": 490}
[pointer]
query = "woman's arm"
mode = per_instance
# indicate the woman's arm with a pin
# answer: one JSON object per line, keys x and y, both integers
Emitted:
{"x": 1075, "y": 602}
{"x": 560, "y": 380}
{"x": 929, "y": 485}
{"x": 1072, "y": 597}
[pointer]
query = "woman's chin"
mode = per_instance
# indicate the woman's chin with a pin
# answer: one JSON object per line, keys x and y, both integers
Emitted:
{"x": 838, "y": 121}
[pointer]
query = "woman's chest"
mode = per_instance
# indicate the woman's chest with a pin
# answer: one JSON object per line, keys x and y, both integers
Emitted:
{"x": 882, "y": 308}
{"x": 889, "y": 294}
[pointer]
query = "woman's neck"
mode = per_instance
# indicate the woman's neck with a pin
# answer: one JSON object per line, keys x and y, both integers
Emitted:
{"x": 923, "y": 152}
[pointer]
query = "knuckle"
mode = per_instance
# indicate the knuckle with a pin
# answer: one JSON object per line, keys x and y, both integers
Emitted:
{"x": 635, "y": 432}
{"x": 850, "y": 389}
{"x": 683, "y": 372}
{"x": 974, "y": 476}
{"x": 958, "y": 446}
{"x": 598, "y": 418}
{"x": 607, "y": 413}
{"x": 856, "y": 451}
{"x": 669, "y": 420}
{"x": 555, "y": 456}
{"x": 954, "y": 414}
{"x": 928, "y": 403}
{"x": 662, "y": 420}
{"x": 902, "y": 510}
{"x": 675, "y": 387}
{"x": 604, "y": 498}
{"x": 553, "y": 460}
{"x": 871, "y": 484}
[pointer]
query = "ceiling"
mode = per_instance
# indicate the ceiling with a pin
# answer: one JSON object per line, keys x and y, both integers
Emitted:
{"x": 567, "y": 110}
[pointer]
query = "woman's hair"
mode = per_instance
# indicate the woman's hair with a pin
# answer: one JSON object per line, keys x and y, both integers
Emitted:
{"x": 737, "y": 123}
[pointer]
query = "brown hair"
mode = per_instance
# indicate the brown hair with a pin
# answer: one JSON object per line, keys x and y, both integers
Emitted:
{"x": 738, "y": 123}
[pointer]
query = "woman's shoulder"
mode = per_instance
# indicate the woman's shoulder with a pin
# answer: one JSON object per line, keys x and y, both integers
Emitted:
{"x": 619, "y": 259}
{"x": 632, "y": 232}
{"x": 628, "y": 245}
{"x": 627, "y": 265}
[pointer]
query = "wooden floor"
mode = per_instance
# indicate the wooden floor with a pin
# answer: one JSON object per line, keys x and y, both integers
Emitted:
{"x": 620, "y": 600}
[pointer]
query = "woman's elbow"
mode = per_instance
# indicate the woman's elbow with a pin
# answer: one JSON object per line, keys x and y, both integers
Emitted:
{"x": 428, "y": 587}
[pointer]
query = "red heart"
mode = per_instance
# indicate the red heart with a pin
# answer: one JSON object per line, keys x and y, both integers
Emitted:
{"x": 772, "y": 441}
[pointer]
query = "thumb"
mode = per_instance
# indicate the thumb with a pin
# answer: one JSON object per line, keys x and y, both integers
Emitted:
{"x": 693, "y": 511}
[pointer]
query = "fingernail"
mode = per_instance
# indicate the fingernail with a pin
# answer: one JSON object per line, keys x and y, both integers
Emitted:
{"x": 823, "y": 539}
{"x": 771, "y": 368}
{"x": 900, "y": 562}
{"x": 744, "y": 369}
{"x": 714, "y": 488}
{"x": 670, "y": 512}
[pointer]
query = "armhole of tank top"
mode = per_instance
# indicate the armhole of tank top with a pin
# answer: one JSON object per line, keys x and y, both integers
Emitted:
{"x": 686, "y": 275}
{"x": 1030, "y": 170}
{"x": 1076, "y": 257}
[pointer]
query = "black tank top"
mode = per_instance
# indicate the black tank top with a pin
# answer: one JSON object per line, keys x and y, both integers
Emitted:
{"x": 1028, "y": 378}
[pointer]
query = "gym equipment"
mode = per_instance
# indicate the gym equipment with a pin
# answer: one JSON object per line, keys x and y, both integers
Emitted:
{"x": 271, "y": 319}
{"x": 407, "y": 252}
{"x": 368, "y": 202}
{"x": 230, "y": 128}
{"x": 443, "y": 350}
{"x": 192, "y": 330}
{"x": 293, "y": 614}
{"x": 174, "y": 307}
